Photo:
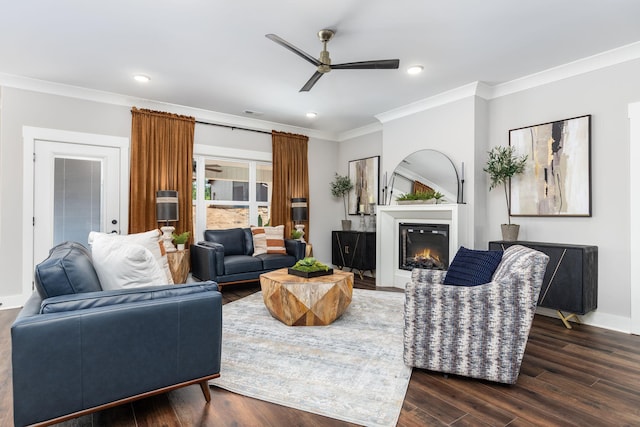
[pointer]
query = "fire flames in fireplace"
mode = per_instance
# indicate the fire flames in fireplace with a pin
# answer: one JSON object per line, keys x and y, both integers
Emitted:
{"x": 425, "y": 259}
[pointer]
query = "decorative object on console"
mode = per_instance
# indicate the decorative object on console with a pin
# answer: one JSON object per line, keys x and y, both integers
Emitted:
{"x": 340, "y": 187}
{"x": 181, "y": 239}
{"x": 299, "y": 214}
{"x": 557, "y": 181}
{"x": 167, "y": 211}
{"x": 502, "y": 165}
{"x": 424, "y": 196}
{"x": 364, "y": 175}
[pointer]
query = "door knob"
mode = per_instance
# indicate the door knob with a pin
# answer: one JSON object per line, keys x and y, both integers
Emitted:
{"x": 114, "y": 221}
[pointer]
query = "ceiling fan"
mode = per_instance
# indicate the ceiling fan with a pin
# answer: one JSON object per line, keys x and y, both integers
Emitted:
{"x": 324, "y": 63}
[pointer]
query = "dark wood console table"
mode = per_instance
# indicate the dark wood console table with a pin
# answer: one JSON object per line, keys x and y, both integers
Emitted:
{"x": 354, "y": 249}
{"x": 570, "y": 283}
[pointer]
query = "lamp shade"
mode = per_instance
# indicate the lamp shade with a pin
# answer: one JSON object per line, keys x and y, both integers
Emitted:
{"x": 166, "y": 205}
{"x": 299, "y": 209}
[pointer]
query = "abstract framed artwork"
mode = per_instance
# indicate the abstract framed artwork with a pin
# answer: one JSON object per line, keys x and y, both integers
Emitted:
{"x": 364, "y": 176}
{"x": 557, "y": 176}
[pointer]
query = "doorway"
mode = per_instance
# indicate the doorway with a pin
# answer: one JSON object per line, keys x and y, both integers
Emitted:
{"x": 75, "y": 183}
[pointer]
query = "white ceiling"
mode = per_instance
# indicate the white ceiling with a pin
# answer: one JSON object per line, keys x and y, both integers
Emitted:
{"x": 213, "y": 55}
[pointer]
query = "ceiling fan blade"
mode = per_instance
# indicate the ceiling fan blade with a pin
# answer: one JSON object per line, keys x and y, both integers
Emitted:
{"x": 312, "y": 81}
{"x": 383, "y": 64}
{"x": 293, "y": 49}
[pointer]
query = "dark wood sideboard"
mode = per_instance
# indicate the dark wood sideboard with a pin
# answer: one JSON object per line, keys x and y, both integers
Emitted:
{"x": 570, "y": 283}
{"x": 354, "y": 249}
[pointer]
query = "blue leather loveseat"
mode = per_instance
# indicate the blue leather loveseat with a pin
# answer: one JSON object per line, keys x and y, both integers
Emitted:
{"x": 225, "y": 256}
{"x": 77, "y": 349}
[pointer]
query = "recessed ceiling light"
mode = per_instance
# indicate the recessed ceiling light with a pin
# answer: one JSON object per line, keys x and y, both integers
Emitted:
{"x": 141, "y": 78}
{"x": 415, "y": 69}
{"x": 312, "y": 115}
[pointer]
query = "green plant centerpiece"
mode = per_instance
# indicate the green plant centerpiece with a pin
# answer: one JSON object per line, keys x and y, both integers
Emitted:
{"x": 310, "y": 267}
{"x": 296, "y": 234}
{"x": 424, "y": 196}
{"x": 182, "y": 238}
{"x": 502, "y": 165}
{"x": 340, "y": 187}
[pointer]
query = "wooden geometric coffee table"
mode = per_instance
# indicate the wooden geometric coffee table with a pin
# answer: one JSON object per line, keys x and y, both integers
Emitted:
{"x": 298, "y": 301}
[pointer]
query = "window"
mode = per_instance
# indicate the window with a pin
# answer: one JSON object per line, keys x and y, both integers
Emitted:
{"x": 230, "y": 193}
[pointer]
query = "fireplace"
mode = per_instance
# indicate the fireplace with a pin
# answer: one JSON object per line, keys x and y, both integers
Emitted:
{"x": 388, "y": 220}
{"x": 423, "y": 246}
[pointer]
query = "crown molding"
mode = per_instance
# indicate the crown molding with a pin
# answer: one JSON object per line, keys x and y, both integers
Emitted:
{"x": 595, "y": 62}
{"x": 361, "y": 131}
{"x": 443, "y": 98}
{"x": 25, "y": 83}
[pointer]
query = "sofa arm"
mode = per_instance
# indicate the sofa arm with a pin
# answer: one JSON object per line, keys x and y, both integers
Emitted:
{"x": 207, "y": 260}
{"x": 295, "y": 248}
{"x": 85, "y": 358}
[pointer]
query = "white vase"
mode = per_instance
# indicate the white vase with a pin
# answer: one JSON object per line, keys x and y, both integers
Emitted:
{"x": 180, "y": 246}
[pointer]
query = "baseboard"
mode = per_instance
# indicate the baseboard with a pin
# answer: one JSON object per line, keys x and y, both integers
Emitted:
{"x": 595, "y": 318}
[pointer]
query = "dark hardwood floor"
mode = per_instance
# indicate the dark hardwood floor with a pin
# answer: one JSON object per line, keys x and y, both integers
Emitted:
{"x": 582, "y": 377}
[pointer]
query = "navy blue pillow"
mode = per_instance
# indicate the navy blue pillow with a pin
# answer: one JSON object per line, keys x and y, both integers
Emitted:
{"x": 471, "y": 267}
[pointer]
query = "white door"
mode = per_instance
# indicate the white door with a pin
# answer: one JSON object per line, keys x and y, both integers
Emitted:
{"x": 76, "y": 189}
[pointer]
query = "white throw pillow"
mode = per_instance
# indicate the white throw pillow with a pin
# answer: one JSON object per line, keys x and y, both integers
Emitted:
{"x": 124, "y": 265}
{"x": 150, "y": 240}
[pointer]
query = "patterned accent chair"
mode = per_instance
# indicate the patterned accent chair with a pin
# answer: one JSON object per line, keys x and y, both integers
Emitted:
{"x": 477, "y": 331}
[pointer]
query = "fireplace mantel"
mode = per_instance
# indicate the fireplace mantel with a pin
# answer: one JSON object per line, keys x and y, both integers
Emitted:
{"x": 387, "y": 239}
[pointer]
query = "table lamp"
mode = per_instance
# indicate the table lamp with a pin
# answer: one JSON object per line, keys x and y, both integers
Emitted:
{"x": 167, "y": 211}
{"x": 298, "y": 214}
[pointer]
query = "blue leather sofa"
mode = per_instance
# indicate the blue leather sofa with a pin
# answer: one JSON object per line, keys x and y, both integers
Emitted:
{"x": 225, "y": 256}
{"x": 80, "y": 349}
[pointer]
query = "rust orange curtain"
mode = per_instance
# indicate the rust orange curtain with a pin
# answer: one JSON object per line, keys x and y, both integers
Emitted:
{"x": 290, "y": 178}
{"x": 161, "y": 159}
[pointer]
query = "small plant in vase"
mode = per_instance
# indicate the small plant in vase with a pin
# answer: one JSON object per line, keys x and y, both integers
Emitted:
{"x": 340, "y": 187}
{"x": 502, "y": 165}
{"x": 181, "y": 239}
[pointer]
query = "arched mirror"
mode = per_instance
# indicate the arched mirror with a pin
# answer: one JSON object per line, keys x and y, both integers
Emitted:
{"x": 426, "y": 169}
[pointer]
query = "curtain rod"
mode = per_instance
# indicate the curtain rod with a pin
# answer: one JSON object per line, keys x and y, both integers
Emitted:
{"x": 232, "y": 127}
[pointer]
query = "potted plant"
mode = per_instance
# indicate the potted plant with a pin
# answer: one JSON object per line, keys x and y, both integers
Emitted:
{"x": 502, "y": 165}
{"x": 181, "y": 239}
{"x": 340, "y": 187}
{"x": 429, "y": 196}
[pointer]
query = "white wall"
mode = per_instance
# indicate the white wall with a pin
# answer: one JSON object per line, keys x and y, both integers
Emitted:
{"x": 605, "y": 94}
{"x": 324, "y": 211}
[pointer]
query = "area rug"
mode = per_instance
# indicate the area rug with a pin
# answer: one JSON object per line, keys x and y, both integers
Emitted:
{"x": 351, "y": 370}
